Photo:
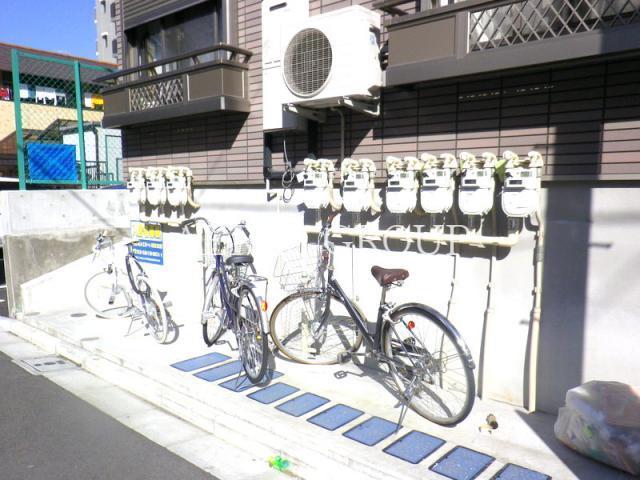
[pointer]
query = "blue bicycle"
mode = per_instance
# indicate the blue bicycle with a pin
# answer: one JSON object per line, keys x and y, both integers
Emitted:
{"x": 230, "y": 298}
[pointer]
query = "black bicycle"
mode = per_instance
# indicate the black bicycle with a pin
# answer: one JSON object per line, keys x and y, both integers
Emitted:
{"x": 426, "y": 356}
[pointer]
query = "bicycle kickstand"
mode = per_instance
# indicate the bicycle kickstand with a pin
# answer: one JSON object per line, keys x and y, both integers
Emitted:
{"x": 407, "y": 396}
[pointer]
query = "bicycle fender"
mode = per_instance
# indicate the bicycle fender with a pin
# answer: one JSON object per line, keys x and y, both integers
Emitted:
{"x": 444, "y": 322}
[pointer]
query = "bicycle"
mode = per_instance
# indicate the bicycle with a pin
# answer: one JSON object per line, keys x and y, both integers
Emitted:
{"x": 230, "y": 301}
{"x": 425, "y": 355}
{"x": 109, "y": 298}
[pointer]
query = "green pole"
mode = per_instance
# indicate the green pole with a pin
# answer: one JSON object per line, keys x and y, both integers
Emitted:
{"x": 79, "y": 102}
{"x": 15, "y": 74}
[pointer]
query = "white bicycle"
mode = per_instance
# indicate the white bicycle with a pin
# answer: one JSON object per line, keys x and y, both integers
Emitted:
{"x": 110, "y": 296}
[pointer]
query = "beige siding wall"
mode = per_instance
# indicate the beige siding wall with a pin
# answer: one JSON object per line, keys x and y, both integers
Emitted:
{"x": 584, "y": 119}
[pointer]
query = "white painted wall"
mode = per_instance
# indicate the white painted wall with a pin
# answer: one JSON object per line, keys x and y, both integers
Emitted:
{"x": 591, "y": 295}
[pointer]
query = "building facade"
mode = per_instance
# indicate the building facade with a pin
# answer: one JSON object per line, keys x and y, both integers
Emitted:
{"x": 106, "y": 39}
{"x": 474, "y": 76}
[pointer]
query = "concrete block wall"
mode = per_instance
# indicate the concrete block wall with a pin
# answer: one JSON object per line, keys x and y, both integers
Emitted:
{"x": 590, "y": 297}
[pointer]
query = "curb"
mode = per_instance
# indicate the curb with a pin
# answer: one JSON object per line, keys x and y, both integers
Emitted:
{"x": 312, "y": 452}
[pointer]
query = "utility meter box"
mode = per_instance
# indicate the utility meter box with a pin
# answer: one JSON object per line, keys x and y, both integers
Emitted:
{"x": 357, "y": 184}
{"x": 438, "y": 182}
{"x": 521, "y": 189}
{"x": 176, "y": 182}
{"x": 156, "y": 186}
{"x": 317, "y": 181}
{"x": 477, "y": 184}
{"x": 136, "y": 186}
{"x": 402, "y": 184}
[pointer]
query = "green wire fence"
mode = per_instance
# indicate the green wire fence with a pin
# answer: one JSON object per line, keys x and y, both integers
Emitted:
{"x": 58, "y": 115}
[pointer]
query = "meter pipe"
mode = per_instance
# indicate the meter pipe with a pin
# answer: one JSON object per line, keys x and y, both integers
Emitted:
{"x": 466, "y": 239}
{"x": 536, "y": 314}
{"x": 489, "y": 313}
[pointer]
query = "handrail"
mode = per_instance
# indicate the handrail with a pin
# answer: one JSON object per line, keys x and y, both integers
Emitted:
{"x": 390, "y": 6}
{"x": 176, "y": 58}
{"x": 464, "y": 5}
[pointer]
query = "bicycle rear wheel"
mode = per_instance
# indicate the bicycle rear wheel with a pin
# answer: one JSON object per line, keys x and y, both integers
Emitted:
{"x": 213, "y": 313}
{"x": 106, "y": 297}
{"x": 153, "y": 310}
{"x": 308, "y": 329}
{"x": 429, "y": 366}
{"x": 252, "y": 340}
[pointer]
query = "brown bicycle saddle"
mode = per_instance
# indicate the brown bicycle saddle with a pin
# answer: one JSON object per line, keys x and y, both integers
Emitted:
{"x": 387, "y": 276}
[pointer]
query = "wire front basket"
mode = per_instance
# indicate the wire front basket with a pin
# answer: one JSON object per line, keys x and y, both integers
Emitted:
{"x": 301, "y": 267}
{"x": 225, "y": 242}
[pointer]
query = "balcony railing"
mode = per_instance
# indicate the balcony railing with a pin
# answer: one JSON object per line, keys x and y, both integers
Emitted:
{"x": 476, "y": 36}
{"x": 207, "y": 80}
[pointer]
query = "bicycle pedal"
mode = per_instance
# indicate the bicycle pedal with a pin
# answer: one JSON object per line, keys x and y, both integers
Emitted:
{"x": 344, "y": 357}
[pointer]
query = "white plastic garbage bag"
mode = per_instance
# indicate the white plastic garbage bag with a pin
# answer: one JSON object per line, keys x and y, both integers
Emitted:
{"x": 602, "y": 420}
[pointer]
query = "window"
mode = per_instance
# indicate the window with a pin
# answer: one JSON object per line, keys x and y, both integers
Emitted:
{"x": 112, "y": 9}
{"x": 182, "y": 32}
{"x": 114, "y": 46}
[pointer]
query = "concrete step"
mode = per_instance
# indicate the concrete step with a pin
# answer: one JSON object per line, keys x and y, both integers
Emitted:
{"x": 228, "y": 416}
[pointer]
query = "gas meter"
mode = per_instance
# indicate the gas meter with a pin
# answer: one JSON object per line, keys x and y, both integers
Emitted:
{"x": 156, "y": 187}
{"x": 136, "y": 186}
{"x": 177, "y": 186}
{"x": 438, "y": 182}
{"x": 358, "y": 189}
{"x": 317, "y": 180}
{"x": 477, "y": 185}
{"x": 521, "y": 189}
{"x": 402, "y": 184}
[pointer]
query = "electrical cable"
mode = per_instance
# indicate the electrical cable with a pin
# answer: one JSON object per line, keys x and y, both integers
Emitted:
{"x": 288, "y": 177}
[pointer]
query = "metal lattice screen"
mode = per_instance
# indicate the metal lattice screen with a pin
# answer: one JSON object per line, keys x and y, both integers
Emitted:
{"x": 58, "y": 115}
{"x": 532, "y": 20}
{"x": 168, "y": 92}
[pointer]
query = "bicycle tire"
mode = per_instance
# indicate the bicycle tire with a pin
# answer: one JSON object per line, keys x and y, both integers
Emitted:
{"x": 341, "y": 334}
{"x": 153, "y": 310}
{"x": 402, "y": 338}
{"x": 253, "y": 342}
{"x": 212, "y": 314}
{"x": 99, "y": 295}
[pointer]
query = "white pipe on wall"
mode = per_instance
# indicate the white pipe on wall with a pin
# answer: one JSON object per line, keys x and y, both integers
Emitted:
{"x": 536, "y": 314}
{"x": 466, "y": 239}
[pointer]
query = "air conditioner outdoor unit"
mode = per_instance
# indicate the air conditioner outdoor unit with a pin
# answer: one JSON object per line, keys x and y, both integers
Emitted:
{"x": 332, "y": 57}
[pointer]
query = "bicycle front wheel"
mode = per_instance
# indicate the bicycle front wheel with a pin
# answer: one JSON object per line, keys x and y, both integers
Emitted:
{"x": 106, "y": 297}
{"x": 429, "y": 366}
{"x": 213, "y": 313}
{"x": 314, "y": 327}
{"x": 252, "y": 340}
{"x": 153, "y": 310}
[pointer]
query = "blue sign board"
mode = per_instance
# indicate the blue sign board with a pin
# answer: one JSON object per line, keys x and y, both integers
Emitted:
{"x": 149, "y": 248}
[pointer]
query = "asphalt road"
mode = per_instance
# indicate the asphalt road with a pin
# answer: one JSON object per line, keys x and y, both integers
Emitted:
{"x": 46, "y": 433}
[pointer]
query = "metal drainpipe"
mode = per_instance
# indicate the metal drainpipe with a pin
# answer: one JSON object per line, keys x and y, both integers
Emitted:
{"x": 536, "y": 314}
{"x": 489, "y": 312}
{"x": 342, "y": 128}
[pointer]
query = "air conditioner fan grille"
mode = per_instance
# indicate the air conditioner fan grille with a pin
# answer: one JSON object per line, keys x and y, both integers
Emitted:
{"x": 307, "y": 62}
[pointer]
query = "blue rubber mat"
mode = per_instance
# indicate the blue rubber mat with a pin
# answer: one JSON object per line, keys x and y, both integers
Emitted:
{"x": 216, "y": 373}
{"x": 462, "y": 464}
{"x": 515, "y": 472}
{"x": 199, "y": 362}
{"x": 273, "y": 393}
{"x": 335, "y": 417}
{"x": 242, "y": 383}
{"x": 371, "y": 431}
{"x": 414, "y": 447}
{"x": 303, "y": 404}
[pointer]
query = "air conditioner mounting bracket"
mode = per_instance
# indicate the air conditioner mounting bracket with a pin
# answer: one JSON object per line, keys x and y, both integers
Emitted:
{"x": 371, "y": 108}
{"x": 308, "y": 113}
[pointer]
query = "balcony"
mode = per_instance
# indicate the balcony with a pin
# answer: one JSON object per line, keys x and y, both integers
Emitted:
{"x": 203, "y": 81}
{"x": 478, "y": 36}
